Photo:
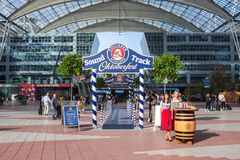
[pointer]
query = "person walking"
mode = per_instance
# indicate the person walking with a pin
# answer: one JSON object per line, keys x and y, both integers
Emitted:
{"x": 1, "y": 101}
{"x": 46, "y": 103}
{"x": 137, "y": 103}
{"x": 54, "y": 106}
{"x": 82, "y": 104}
{"x": 222, "y": 100}
{"x": 157, "y": 121}
{"x": 152, "y": 103}
{"x": 166, "y": 116}
{"x": 208, "y": 103}
{"x": 213, "y": 102}
{"x": 40, "y": 105}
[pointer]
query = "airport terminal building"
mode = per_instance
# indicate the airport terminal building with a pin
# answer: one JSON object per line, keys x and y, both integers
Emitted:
{"x": 33, "y": 60}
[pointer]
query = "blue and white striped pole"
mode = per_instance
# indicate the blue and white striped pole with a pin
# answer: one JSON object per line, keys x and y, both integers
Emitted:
{"x": 141, "y": 99}
{"x": 109, "y": 89}
{"x": 129, "y": 93}
{"x": 94, "y": 98}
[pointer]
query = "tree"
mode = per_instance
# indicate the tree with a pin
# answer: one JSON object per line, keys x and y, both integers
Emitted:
{"x": 70, "y": 66}
{"x": 220, "y": 81}
{"x": 166, "y": 68}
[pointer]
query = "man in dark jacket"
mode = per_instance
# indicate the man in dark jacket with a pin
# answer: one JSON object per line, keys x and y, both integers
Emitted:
{"x": 54, "y": 106}
{"x": 1, "y": 101}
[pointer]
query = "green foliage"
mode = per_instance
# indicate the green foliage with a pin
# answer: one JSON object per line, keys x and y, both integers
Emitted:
{"x": 71, "y": 65}
{"x": 100, "y": 82}
{"x": 187, "y": 91}
{"x": 167, "y": 66}
{"x": 107, "y": 76}
{"x": 220, "y": 81}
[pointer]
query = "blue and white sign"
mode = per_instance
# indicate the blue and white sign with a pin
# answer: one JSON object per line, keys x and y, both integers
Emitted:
{"x": 117, "y": 59}
{"x": 70, "y": 114}
{"x": 206, "y": 82}
{"x": 119, "y": 79}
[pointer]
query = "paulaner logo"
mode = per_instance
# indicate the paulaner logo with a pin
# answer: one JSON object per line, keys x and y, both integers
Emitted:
{"x": 118, "y": 54}
{"x": 119, "y": 78}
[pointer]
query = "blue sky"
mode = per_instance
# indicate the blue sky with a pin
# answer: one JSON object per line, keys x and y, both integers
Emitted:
{"x": 129, "y": 39}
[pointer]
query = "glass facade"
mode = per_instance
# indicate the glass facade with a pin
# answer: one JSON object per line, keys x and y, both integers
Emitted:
{"x": 33, "y": 59}
{"x": 216, "y": 48}
{"x": 63, "y": 39}
{"x": 205, "y": 57}
{"x": 155, "y": 43}
{"x": 84, "y": 43}
{"x": 202, "y": 54}
{"x": 198, "y": 38}
{"x": 177, "y": 38}
{"x": 222, "y": 38}
{"x": 204, "y": 67}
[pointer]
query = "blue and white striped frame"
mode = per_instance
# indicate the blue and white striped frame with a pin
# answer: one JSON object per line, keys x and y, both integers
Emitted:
{"x": 94, "y": 98}
{"x": 141, "y": 99}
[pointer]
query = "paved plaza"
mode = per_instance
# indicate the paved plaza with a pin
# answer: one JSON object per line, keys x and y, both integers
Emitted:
{"x": 25, "y": 135}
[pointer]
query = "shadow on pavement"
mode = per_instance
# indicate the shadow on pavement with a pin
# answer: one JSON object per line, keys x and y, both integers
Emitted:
{"x": 202, "y": 135}
{"x": 86, "y": 127}
{"x": 6, "y": 129}
{"x": 206, "y": 118}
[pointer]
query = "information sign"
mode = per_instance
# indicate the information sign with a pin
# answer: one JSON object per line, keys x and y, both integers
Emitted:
{"x": 70, "y": 115}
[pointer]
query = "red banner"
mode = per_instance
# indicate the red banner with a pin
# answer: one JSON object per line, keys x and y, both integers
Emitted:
{"x": 53, "y": 85}
{"x": 28, "y": 90}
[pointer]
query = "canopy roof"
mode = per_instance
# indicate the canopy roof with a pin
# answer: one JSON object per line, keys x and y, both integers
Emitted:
{"x": 64, "y": 16}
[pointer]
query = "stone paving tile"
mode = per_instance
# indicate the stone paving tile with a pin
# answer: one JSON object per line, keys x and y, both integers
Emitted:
{"x": 49, "y": 151}
{"x": 228, "y": 151}
{"x": 230, "y": 127}
{"x": 36, "y": 151}
{"x": 23, "y": 152}
{"x": 26, "y": 135}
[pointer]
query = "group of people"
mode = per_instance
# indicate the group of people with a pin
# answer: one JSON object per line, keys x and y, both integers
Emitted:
{"x": 2, "y": 99}
{"x": 105, "y": 98}
{"x": 212, "y": 101}
{"x": 161, "y": 110}
{"x": 52, "y": 104}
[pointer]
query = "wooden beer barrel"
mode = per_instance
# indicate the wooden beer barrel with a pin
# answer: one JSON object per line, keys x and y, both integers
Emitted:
{"x": 184, "y": 125}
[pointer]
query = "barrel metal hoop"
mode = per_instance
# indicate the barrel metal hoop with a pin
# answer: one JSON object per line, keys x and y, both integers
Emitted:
{"x": 184, "y": 140}
{"x": 185, "y": 132}
{"x": 184, "y": 115}
{"x": 185, "y": 119}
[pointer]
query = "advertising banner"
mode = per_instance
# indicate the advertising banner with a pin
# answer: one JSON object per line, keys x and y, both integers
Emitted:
{"x": 70, "y": 116}
{"x": 119, "y": 79}
{"x": 206, "y": 82}
{"x": 28, "y": 90}
{"x": 117, "y": 59}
